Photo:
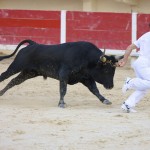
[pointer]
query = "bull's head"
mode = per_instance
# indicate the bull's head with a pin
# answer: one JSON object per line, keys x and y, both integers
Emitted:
{"x": 105, "y": 70}
{"x": 105, "y": 60}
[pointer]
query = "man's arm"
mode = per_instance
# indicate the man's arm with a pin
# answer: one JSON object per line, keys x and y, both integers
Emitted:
{"x": 128, "y": 51}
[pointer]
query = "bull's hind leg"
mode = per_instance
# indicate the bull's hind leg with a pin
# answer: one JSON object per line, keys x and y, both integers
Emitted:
{"x": 13, "y": 69}
{"x": 18, "y": 80}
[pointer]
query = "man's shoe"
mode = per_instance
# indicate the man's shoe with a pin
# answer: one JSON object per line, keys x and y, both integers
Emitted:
{"x": 126, "y": 108}
{"x": 125, "y": 87}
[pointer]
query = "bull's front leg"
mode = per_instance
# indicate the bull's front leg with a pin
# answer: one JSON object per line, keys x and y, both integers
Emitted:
{"x": 91, "y": 85}
{"x": 63, "y": 89}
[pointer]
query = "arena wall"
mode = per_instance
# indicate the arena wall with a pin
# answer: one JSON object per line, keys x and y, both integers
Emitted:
{"x": 112, "y": 31}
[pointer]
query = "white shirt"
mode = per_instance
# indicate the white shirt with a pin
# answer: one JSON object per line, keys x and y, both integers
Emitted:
{"x": 143, "y": 43}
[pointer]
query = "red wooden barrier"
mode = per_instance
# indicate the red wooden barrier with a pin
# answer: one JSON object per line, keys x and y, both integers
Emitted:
{"x": 109, "y": 30}
{"x": 41, "y": 26}
{"x": 143, "y": 21}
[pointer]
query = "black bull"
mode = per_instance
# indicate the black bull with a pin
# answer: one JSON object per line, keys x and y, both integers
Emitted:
{"x": 69, "y": 63}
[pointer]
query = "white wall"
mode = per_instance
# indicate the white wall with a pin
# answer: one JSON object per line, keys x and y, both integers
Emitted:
{"x": 112, "y": 6}
{"x": 42, "y": 4}
{"x": 143, "y": 6}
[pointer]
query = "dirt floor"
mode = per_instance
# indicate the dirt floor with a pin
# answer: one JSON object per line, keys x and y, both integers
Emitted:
{"x": 31, "y": 120}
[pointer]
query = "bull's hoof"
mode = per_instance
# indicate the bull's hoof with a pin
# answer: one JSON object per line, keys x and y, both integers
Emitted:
{"x": 1, "y": 93}
{"x": 107, "y": 102}
{"x": 62, "y": 105}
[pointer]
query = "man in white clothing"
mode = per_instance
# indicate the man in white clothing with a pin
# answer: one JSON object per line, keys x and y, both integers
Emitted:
{"x": 141, "y": 83}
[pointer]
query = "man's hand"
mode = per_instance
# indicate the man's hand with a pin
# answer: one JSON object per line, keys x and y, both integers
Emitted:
{"x": 122, "y": 62}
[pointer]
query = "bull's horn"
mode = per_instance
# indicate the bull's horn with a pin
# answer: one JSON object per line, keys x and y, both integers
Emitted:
{"x": 103, "y": 59}
{"x": 104, "y": 51}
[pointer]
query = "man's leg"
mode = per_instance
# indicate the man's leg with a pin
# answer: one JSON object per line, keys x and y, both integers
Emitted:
{"x": 134, "y": 98}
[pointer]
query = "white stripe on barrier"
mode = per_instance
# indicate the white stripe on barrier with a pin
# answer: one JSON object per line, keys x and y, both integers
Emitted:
{"x": 118, "y": 52}
{"x": 63, "y": 27}
{"x": 9, "y": 47}
{"x": 134, "y": 26}
{"x": 134, "y": 29}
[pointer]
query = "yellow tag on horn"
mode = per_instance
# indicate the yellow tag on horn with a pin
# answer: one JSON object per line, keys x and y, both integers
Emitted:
{"x": 103, "y": 59}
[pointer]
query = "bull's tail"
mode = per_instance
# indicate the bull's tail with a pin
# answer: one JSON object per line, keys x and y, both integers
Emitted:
{"x": 30, "y": 42}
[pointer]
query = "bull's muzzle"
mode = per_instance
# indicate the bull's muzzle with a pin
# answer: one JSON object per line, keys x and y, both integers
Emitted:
{"x": 108, "y": 87}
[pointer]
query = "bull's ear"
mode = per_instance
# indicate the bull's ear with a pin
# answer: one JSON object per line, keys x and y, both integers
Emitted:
{"x": 103, "y": 59}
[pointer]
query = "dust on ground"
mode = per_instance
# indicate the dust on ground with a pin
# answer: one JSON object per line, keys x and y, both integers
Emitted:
{"x": 31, "y": 120}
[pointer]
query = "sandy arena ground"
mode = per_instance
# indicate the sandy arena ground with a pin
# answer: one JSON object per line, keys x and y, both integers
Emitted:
{"x": 31, "y": 120}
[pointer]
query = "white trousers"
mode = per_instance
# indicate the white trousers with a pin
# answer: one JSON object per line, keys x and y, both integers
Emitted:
{"x": 142, "y": 81}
